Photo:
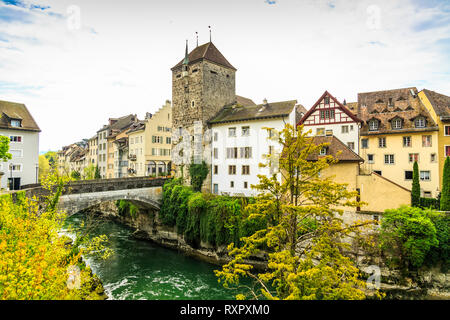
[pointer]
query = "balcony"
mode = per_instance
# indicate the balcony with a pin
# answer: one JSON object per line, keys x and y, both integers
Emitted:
{"x": 132, "y": 157}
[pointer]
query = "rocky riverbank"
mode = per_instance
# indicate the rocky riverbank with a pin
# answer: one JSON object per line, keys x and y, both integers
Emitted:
{"x": 426, "y": 283}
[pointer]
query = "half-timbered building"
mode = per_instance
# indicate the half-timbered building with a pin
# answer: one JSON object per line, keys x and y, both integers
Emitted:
{"x": 329, "y": 117}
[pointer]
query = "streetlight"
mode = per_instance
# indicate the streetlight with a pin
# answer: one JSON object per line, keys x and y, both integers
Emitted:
{"x": 11, "y": 181}
{"x": 37, "y": 170}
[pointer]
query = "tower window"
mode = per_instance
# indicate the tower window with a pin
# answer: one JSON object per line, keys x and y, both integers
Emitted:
{"x": 193, "y": 103}
{"x": 213, "y": 72}
{"x": 194, "y": 71}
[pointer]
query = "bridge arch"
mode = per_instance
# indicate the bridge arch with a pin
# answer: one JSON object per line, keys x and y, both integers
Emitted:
{"x": 73, "y": 203}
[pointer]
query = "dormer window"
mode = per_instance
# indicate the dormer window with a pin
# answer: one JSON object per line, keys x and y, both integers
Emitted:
{"x": 323, "y": 151}
{"x": 396, "y": 123}
{"x": 16, "y": 123}
{"x": 420, "y": 122}
{"x": 373, "y": 125}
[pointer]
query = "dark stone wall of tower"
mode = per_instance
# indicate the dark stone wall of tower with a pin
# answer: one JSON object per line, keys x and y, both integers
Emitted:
{"x": 219, "y": 89}
{"x": 210, "y": 86}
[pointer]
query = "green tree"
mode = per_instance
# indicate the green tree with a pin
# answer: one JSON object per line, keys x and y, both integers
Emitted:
{"x": 415, "y": 192}
{"x": 89, "y": 172}
{"x": 4, "y": 148}
{"x": 75, "y": 175}
{"x": 445, "y": 194}
{"x": 303, "y": 236}
{"x": 52, "y": 157}
{"x": 44, "y": 167}
{"x": 97, "y": 173}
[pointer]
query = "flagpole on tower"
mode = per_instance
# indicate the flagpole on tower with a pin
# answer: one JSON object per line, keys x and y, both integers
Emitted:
{"x": 210, "y": 34}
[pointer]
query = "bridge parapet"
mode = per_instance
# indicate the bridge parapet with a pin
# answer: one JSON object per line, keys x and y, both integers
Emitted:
{"x": 97, "y": 185}
{"x": 101, "y": 185}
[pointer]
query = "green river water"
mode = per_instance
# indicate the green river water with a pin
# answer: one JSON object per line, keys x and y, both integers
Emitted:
{"x": 143, "y": 270}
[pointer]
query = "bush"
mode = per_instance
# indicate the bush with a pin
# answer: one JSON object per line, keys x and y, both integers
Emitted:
{"x": 441, "y": 254}
{"x": 407, "y": 235}
{"x": 198, "y": 173}
{"x": 427, "y": 203}
{"x": 215, "y": 220}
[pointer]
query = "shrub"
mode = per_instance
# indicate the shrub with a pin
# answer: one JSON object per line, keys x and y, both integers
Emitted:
{"x": 198, "y": 173}
{"x": 407, "y": 235}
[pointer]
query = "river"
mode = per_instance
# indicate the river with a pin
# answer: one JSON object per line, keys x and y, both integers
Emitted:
{"x": 142, "y": 270}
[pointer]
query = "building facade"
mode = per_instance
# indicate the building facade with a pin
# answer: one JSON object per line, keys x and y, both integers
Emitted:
{"x": 241, "y": 141}
{"x": 17, "y": 123}
{"x": 136, "y": 150}
{"x": 157, "y": 142}
{"x": 438, "y": 105}
{"x": 329, "y": 117}
{"x": 397, "y": 130}
{"x": 105, "y": 146}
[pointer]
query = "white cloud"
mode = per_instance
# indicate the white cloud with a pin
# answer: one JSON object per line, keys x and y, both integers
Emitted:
{"x": 119, "y": 61}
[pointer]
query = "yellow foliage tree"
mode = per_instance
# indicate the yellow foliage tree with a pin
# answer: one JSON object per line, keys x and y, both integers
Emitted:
{"x": 35, "y": 261}
{"x": 303, "y": 240}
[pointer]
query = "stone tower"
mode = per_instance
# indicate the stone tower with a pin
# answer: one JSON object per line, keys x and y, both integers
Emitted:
{"x": 202, "y": 84}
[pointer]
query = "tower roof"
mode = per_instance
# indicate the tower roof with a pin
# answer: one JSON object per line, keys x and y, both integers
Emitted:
{"x": 207, "y": 51}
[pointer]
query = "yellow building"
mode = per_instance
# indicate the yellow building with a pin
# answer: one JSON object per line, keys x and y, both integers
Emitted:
{"x": 136, "y": 149}
{"x": 438, "y": 105}
{"x": 379, "y": 193}
{"x": 93, "y": 151}
{"x": 397, "y": 130}
{"x": 158, "y": 141}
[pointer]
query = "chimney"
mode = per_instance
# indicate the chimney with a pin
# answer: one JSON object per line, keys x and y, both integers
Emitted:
{"x": 345, "y": 102}
{"x": 265, "y": 101}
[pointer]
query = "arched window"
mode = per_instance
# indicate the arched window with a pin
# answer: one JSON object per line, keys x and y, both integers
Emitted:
{"x": 193, "y": 103}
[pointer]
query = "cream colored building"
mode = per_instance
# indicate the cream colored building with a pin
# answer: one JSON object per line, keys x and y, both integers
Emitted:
{"x": 397, "y": 130}
{"x": 92, "y": 156}
{"x": 158, "y": 141}
{"x": 136, "y": 149}
{"x": 438, "y": 105}
{"x": 378, "y": 192}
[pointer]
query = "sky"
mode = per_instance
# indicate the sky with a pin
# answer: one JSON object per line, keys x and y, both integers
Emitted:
{"x": 76, "y": 63}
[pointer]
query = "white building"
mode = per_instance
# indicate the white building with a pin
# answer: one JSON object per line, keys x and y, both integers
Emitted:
{"x": 18, "y": 125}
{"x": 329, "y": 117}
{"x": 240, "y": 141}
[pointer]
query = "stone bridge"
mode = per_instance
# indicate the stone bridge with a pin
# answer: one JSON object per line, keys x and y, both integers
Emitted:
{"x": 80, "y": 195}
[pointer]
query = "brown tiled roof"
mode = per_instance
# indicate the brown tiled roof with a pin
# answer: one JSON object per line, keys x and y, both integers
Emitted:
{"x": 406, "y": 105}
{"x": 121, "y": 123}
{"x": 18, "y": 111}
{"x": 207, "y": 51}
{"x": 244, "y": 101}
{"x": 440, "y": 103}
{"x": 253, "y": 112}
{"x": 336, "y": 148}
{"x": 352, "y": 107}
{"x": 137, "y": 126}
